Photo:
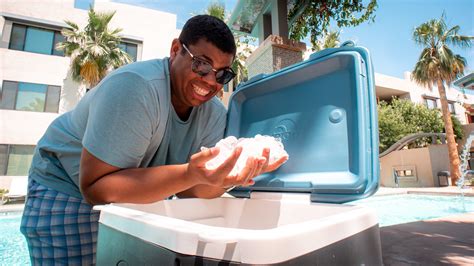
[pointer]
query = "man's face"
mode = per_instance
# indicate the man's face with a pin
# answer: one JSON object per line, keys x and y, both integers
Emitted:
{"x": 189, "y": 88}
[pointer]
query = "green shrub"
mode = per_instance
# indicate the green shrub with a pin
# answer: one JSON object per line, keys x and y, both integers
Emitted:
{"x": 402, "y": 117}
{"x": 457, "y": 127}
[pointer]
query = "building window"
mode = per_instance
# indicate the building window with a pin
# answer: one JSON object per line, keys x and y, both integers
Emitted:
{"x": 130, "y": 48}
{"x": 35, "y": 40}
{"x": 407, "y": 173}
{"x": 430, "y": 103}
{"x": 15, "y": 160}
{"x": 451, "y": 108}
{"x": 29, "y": 97}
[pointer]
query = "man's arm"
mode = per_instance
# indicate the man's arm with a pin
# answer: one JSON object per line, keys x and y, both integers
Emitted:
{"x": 103, "y": 183}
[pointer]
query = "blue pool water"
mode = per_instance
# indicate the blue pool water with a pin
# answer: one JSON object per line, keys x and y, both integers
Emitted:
{"x": 398, "y": 209}
{"x": 391, "y": 210}
{"x": 13, "y": 248}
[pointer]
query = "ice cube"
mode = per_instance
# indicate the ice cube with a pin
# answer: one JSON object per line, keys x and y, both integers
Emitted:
{"x": 250, "y": 147}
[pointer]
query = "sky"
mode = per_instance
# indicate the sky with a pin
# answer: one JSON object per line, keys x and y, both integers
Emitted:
{"x": 388, "y": 38}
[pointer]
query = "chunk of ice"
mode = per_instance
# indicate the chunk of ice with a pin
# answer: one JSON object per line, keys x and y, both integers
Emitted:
{"x": 250, "y": 147}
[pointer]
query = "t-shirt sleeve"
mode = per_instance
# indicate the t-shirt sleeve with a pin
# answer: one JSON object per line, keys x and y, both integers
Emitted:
{"x": 121, "y": 120}
{"x": 215, "y": 129}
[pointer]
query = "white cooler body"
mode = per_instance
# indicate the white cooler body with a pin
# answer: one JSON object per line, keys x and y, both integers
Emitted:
{"x": 267, "y": 229}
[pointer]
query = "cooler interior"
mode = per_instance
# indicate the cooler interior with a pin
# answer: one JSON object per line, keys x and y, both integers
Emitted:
{"x": 234, "y": 213}
{"x": 255, "y": 231}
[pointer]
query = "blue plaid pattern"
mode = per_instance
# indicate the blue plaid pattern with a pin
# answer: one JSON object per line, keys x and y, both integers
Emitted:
{"x": 59, "y": 229}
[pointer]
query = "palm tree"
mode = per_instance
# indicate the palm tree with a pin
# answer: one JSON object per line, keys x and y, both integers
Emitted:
{"x": 216, "y": 9}
{"x": 438, "y": 65}
{"x": 95, "y": 50}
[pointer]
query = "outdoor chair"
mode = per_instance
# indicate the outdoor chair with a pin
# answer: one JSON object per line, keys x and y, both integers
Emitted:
{"x": 17, "y": 191}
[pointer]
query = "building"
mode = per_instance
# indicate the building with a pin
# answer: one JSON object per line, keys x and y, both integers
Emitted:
{"x": 35, "y": 84}
{"x": 458, "y": 102}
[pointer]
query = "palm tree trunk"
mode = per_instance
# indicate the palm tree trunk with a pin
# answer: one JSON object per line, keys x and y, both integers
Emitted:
{"x": 448, "y": 125}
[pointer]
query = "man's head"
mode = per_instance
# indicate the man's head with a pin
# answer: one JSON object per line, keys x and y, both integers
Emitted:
{"x": 212, "y": 30}
{"x": 200, "y": 61}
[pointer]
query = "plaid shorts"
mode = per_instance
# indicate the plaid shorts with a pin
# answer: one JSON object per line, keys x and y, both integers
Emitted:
{"x": 59, "y": 229}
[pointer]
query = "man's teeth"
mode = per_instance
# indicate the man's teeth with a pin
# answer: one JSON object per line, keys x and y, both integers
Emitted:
{"x": 201, "y": 91}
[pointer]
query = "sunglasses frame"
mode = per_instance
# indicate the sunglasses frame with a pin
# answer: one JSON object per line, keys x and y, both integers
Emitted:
{"x": 194, "y": 68}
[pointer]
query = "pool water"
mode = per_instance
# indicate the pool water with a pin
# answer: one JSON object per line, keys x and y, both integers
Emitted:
{"x": 391, "y": 210}
{"x": 13, "y": 247}
{"x": 397, "y": 209}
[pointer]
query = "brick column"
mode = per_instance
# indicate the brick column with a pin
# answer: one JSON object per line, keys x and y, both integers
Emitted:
{"x": 274, "y": 54}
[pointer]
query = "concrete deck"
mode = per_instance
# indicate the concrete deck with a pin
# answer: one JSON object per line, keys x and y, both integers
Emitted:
{"x": 442, "y": 241}
{"x": 12, "y": 207}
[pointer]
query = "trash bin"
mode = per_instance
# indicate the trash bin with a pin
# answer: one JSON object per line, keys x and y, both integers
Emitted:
{"x": 444, "y": 178}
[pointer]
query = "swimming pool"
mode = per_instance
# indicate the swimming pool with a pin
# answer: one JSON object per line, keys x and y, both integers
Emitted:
{"x": 13, "y": 248}
{"x": 405, "y": 208}
{"x": 395, "y": 209}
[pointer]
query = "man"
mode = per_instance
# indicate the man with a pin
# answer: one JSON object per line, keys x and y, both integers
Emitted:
{"x": 135, "y": 138}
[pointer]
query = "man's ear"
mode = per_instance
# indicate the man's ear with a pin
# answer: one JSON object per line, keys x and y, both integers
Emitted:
{"x": 175, "y": 48}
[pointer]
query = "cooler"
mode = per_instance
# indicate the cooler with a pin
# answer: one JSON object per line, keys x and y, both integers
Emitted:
{"x": 324, "y": 111}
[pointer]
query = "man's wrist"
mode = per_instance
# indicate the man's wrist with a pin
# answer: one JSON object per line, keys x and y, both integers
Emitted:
{"x": 187, "y": 176}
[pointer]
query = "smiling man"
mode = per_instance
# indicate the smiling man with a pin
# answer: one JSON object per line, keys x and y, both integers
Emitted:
{"x": 135, "y": 138}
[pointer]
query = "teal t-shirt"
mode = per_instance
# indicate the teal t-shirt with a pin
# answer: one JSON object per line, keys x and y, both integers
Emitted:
{"x": 127, "y": 121}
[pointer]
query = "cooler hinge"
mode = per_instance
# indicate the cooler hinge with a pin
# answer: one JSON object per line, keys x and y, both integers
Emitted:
{"x": 240, "y": 193}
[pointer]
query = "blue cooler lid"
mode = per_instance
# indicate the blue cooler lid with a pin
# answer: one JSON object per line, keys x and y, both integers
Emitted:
{"x": 324, "y": 111}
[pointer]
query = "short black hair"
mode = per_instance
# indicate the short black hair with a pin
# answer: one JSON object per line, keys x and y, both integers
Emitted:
{"x": 210, "y": 29}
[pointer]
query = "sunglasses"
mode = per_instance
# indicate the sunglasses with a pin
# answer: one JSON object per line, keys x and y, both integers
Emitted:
{"x": 202, "y": 68}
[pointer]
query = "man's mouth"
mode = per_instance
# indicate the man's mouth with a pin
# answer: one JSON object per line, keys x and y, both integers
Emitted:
{"x": 200, "y": 91}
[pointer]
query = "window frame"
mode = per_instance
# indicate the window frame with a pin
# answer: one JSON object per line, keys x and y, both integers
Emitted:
{"x": 431, "y": 99}
{"x": 8, "y": 150}
{"x": 453, "y": 112}
{"x": 7, "y": 158}
{"x": 26, "y": 26}
{"x": 45, "y": 100}
{"x": 128, "y": 43}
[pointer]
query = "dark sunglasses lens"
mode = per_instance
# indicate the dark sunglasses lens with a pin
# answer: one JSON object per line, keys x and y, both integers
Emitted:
{"x": 224, "y": 76}
{"x": 203, "y": 68}
{"x": 200, "y": 67}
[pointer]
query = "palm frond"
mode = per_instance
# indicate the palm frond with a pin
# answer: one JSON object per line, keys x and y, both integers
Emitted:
{"x": 94, "y": 50}
{"x": 90, "y": 73}
{"x": 452, "y": 37}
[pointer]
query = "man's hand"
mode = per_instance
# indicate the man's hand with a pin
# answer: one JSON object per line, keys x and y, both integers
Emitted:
{"x": 220, "y": 177}
{"x": 275, "y": 165}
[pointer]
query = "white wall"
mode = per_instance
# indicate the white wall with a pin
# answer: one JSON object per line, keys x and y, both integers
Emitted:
{"x": 156, "y": 28}
{"x": 426, "y": 163}
{"x": 24, "y": 128}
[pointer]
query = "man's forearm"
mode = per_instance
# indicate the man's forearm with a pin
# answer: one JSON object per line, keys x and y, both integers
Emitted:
{"x": 202, "y": 191}
{"x": 139, "y": 185}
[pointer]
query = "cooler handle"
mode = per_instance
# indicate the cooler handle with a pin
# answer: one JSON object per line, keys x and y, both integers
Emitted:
{"x": 214, "y": 238}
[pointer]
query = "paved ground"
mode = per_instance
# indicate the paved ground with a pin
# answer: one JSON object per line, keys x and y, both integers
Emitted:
{"x": 442, "y": 241}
